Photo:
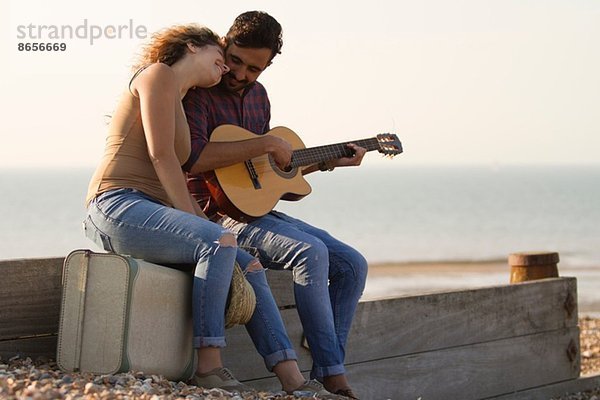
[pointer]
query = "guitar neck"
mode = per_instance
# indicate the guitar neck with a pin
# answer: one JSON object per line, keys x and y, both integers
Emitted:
{"x": 314, "y": 155}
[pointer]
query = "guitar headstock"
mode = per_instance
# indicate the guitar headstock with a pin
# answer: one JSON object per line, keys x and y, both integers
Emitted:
{"x": 389, "y": 144}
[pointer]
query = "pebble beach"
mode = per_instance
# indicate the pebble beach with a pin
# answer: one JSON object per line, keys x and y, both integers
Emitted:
{"x": 42, "y": 380}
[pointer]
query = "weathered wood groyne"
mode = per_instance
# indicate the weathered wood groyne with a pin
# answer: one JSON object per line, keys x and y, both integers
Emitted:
{"x": 517, "y": 341}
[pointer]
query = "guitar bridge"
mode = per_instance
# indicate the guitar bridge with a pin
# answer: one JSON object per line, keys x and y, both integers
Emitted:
{"x": 253, "y": 174}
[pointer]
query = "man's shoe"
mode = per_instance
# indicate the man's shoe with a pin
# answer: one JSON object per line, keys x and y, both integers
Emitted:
{"x": 220, "y": 378}
{"x": 348, "y": 393}
{"x": 314, "y": 388}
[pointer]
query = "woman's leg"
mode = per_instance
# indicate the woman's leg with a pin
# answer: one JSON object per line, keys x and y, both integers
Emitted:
{"x": 266, "y": 328}
{"x": 270, "y": 338}
{"x": 129, "y": 222}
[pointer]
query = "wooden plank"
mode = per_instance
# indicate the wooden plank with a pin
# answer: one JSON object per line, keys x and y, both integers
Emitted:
{"x": 470, "y": 372}
{"x": 30, "y": 293}
{"x": 401, "y": 326}
{"x": 282, "y": 287}
{"x": 422, "y": 323}
{"x": 43, "y": 346}
{"x": 546, "y": 392}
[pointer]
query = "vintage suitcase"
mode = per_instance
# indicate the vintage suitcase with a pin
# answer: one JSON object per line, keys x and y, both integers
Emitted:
{"x": 119, "y": 314}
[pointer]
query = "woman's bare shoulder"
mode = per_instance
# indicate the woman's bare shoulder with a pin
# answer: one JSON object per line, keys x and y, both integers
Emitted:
{"x": 157, "y": 76}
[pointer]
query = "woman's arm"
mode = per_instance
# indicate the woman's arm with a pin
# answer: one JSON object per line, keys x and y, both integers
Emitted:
{"x": 158, "y": 92}
{"x": 197, "y": 208}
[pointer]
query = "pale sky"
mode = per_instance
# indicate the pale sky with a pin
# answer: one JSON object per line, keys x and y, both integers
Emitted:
{"x": 460, "y": 82}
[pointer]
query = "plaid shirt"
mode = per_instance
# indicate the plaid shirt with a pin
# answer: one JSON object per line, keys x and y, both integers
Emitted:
{"x": 206, "y": 109}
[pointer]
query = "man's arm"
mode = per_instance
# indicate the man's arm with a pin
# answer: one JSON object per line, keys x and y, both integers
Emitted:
{"x": 206, "y": 155}
{"x": 217, "y": 155}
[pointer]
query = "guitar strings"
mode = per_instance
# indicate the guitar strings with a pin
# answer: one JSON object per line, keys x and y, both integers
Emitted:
{"x": 313, "y": 155}
{"x": 302, "y": 157}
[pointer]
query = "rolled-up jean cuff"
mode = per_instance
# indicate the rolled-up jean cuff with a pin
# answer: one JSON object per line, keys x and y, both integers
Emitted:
{"x": 200, "y": 341}
{"x": 273, "y": 359}
{"x": 321, "y": 372}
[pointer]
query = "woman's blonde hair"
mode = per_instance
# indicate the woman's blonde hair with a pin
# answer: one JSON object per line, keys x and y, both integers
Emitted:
{"x": 170, "y": 44}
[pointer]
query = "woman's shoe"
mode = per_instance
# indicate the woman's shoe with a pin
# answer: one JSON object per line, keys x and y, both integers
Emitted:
{"x": 220, "y": 378}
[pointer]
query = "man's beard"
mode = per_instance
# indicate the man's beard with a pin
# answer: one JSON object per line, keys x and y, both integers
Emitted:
{"x": 235, "y": 85}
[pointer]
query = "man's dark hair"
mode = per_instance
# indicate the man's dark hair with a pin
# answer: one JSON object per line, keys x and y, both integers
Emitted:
{"x": 257, "y": 30}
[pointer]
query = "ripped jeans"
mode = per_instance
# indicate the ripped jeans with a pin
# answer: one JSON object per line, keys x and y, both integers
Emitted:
{"x": 127, "y": 221}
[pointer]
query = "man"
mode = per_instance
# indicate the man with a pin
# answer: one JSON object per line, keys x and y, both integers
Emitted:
{"x": 280, "y": 241}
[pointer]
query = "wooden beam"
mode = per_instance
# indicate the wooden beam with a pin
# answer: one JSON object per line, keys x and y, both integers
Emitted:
{"x": 282, "y": 287}
{"x": 34, "y": 347}
{"x": 30, "y": 293}
{"x": 436, "y": 321}
{"x": 553, "y": 390}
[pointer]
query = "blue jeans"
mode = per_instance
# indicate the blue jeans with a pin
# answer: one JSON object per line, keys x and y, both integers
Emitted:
{"x": 127, "y": 221}
{"x": 315, "y": 258}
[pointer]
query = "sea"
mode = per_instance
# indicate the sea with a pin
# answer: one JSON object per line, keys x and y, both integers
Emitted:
{"x": 392, "y": 214}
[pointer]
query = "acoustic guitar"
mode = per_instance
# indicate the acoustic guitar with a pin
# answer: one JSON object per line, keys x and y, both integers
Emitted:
{"x": 251, "y": 189}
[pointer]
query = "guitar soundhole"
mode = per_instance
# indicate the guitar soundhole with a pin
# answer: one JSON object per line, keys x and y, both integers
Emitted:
{"x": 287, "y": 173}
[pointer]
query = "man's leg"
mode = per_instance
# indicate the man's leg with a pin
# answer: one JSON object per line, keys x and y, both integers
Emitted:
{"x": 284, "y": 242}
{"x": 347, "y": 276}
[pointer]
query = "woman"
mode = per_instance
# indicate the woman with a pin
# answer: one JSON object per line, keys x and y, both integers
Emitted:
{"x": 138, "y": 204}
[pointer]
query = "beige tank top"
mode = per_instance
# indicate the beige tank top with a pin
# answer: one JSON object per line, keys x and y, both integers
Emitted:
{"x": 126, "y": 162}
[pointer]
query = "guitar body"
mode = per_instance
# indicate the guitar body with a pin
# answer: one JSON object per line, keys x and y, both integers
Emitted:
{"x": 248, "y": 190}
